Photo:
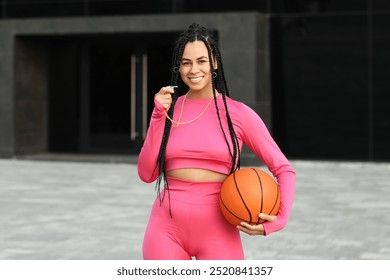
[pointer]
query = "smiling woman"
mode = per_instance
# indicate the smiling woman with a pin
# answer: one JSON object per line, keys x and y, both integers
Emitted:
{"x": 192, "y": 167}
{"x": 195, "y": 70}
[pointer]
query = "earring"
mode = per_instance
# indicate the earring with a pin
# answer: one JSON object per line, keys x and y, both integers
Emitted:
{"x": 175, "y": 69}
{"x": 215, "y": 74}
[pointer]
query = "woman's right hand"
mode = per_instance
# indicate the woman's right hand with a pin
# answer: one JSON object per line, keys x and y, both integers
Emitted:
{"x": 164, "y": 97}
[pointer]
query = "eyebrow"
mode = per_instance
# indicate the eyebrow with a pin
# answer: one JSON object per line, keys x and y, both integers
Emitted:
{"x": 187, "y": 59}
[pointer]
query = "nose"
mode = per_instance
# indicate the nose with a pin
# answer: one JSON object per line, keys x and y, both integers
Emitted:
{"x": 194, "y": 68}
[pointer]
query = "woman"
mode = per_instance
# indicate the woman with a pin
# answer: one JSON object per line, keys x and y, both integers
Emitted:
{"x": 193, "y": 143}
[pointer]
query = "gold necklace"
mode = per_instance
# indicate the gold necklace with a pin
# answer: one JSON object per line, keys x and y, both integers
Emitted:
{"x": 177, "y": 123}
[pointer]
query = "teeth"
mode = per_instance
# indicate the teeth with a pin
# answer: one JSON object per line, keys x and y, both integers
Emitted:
{"x": 196, "y": 79}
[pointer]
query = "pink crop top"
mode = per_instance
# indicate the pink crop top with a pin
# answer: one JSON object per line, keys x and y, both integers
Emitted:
{"x": 201, "y": 144}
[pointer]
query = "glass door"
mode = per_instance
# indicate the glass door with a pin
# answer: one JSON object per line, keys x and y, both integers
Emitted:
{"x": 102, "y": 89}
{"x": 113, "y": 99}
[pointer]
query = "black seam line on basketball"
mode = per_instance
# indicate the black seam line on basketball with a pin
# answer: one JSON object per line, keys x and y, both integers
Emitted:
{"x": 242, "y": 199}
{"x": 262, "y": 195}
{"x": 224, "y": 205}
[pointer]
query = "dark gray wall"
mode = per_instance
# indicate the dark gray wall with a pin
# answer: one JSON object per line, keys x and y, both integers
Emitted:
{"x": 6, "y": 92}
{"x": 30, "y": 96}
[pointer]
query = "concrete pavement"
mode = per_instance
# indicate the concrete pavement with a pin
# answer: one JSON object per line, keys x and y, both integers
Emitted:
{"x": 81, "y": 210}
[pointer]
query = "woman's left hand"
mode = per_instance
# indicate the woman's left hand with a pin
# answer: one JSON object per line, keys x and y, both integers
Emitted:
{"x": 256, "y": 229}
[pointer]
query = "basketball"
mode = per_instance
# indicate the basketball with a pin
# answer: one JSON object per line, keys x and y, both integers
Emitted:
{"x": 246, "y": 193}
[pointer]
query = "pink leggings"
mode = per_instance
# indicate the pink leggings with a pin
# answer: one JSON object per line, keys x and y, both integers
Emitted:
{"x": 196, "y": 228}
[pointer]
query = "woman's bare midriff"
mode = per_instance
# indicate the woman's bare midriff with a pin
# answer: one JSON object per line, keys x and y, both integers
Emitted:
{"x": 197, "y": 175}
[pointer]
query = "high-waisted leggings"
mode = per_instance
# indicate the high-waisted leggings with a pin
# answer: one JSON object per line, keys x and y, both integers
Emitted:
{"x": 196, "y": 227}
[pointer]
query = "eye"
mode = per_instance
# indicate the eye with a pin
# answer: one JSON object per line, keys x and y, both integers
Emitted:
{"x": 202, "y": 61}
{"x": 185, "y": 63}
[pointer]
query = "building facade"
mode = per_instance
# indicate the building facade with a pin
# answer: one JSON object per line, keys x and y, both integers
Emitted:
{"x": 79, "y": 76}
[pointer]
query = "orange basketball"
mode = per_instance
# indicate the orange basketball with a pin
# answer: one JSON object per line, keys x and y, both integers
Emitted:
{"x": 246, "y": 193}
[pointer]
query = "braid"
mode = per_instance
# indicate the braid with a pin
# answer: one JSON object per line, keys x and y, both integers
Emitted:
{"x": 196, "y": 33}
{"x": 221, "y": 74}
{"x": 219, "y": 83}
{"x": 175, "y": 80}
{"x": 225, "y": 92}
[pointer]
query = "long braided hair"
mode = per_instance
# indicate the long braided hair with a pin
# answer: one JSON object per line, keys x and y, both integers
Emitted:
{"x": 195, "y": 32}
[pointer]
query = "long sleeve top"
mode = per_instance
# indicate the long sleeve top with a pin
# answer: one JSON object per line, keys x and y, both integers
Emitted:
{"x": 201, "y": 144}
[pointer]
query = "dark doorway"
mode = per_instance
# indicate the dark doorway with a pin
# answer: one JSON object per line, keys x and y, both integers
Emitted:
{"x": 101, "y": 90}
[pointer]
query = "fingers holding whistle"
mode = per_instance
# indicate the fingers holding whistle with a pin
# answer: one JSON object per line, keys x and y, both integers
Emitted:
{"x": 173, "y": 88}
{"x": 164, "y": 96}
{"x": 167, "y": 90}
